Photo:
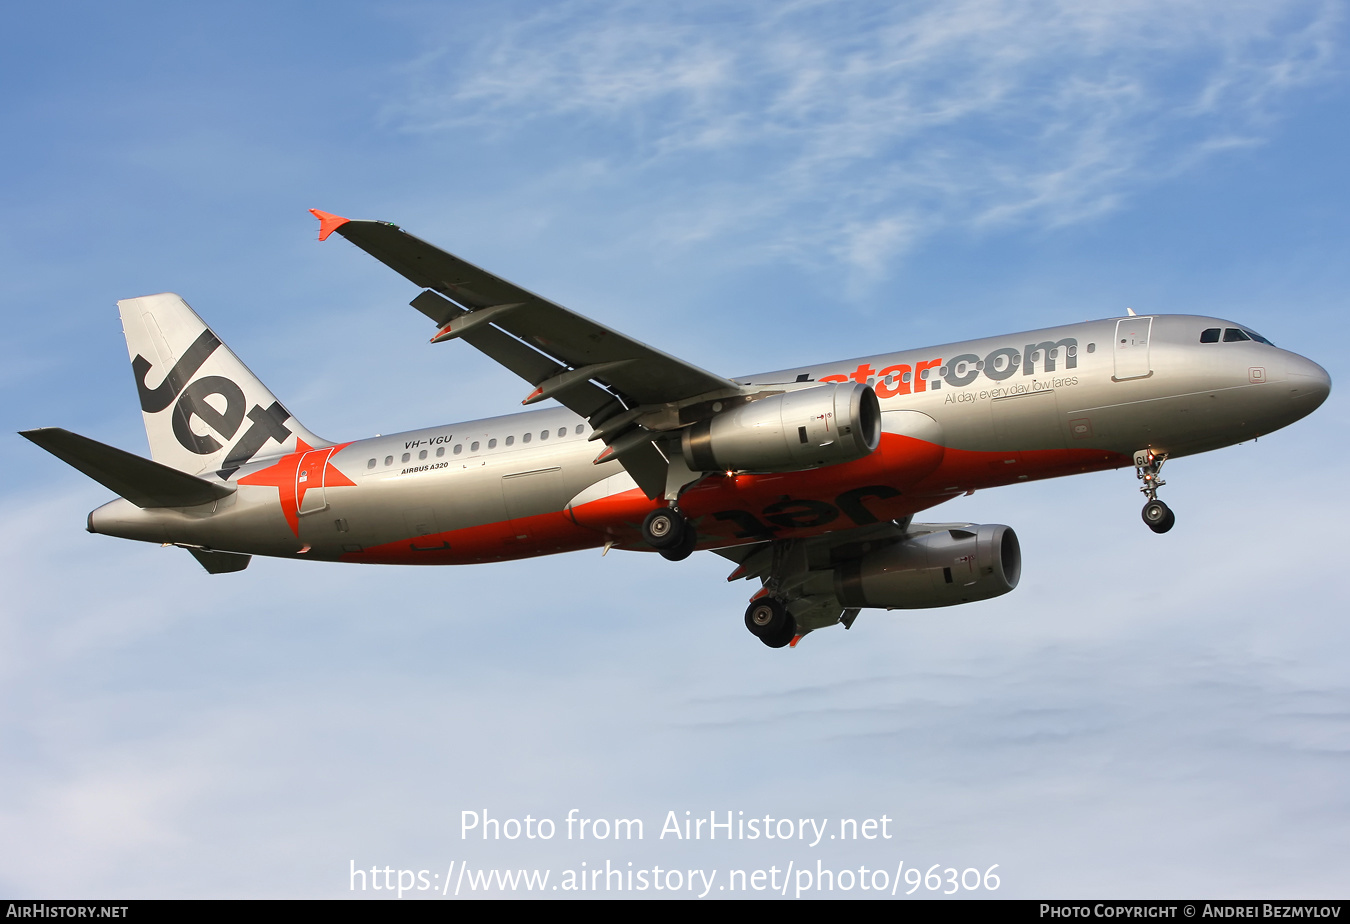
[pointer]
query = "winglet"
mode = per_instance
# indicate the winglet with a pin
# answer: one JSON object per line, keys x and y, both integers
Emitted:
{"x": 328, "y": 222}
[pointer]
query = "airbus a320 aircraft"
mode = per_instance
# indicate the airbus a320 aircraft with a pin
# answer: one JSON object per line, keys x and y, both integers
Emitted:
{"x": 807, "y": 479}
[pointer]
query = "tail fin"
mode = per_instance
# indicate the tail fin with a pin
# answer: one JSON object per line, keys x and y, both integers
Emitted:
{"x": 204, "y": 410}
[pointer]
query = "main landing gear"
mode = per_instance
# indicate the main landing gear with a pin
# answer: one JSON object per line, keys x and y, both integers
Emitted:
{"x": 667, "y": 531}
{"x": 770, "y": 622}
{"x": 1147, "y": 467}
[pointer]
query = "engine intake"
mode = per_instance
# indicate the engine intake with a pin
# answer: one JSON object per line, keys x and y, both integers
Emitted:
{"x": 790, "y": 432}
{"x": 943, "y": 568}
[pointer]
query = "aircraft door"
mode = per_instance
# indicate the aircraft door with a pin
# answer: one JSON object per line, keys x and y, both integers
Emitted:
{"x": 309, "y": 481}
{"x": 1131, "y": 348}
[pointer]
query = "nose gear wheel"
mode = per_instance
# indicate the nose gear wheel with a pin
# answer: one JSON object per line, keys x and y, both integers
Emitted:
{"x": 1158, "y": 516}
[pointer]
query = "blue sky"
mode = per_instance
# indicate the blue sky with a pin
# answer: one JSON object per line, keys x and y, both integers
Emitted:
{"x": 748, "y": 187}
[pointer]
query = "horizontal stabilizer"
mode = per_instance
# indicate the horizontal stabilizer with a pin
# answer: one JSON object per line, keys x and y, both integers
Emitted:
{"x": 144, "y": 483}
{"x": 221, "y": 562}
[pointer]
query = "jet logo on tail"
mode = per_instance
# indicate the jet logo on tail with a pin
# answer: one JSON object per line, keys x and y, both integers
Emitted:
{"x": 267, "y": 423}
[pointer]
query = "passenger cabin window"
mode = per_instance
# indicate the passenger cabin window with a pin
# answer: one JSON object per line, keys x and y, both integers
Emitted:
{"x": 543, "y": 434}
{"x": 370, "y": 464}
{"x": 1233, "y": 335}
{"x": 580, "y": 427}
{"x": 388, "y": 460}
{"x": 422, "y": 454}
{"x": 525, "y": 438}
{"x": 440, "y": 451}
{"x": 1092, "y": 347}
{"x": 562, "y": 431}
{"x": 1210, "y": 335}
{"x": 407, "y": 456}
{"x": 473, "y": 447}
{"x": 492, "y": 444}
{"x": 459, "y": 447}
{"x": 510, "y": 441}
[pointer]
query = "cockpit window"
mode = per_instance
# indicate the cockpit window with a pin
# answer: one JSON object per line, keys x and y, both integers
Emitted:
{"x": 1255, "y": 336}
{"x": 1210, "y": 336}
{"x": 1233, "y": 335}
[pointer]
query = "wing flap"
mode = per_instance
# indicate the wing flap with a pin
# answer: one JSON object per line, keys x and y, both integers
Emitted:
{"x": 584, "y": 398}
{"x": 139, "y": 480}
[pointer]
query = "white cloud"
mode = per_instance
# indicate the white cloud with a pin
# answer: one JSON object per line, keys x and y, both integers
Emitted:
{"x": 859, "y": 120}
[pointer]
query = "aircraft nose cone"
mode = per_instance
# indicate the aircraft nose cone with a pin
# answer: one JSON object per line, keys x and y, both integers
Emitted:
{"x": 1309, "y": 383}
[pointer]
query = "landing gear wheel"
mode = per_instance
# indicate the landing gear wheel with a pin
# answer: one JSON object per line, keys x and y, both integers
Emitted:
{"x": 686, "y": 546}
{"x": 1148, "y": 465}
{"x": 784, "y": 636}
{"x": 664, "y": 529}
{"x": 1158, "y": 516}
{"x": 770, "y": 622}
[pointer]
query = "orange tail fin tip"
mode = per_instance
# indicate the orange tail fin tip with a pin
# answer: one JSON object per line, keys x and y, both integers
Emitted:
{"x": 328, "y": 222}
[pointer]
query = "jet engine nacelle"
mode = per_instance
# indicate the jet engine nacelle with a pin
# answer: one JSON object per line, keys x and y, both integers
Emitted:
{"x": 790, "y": 432}
{"x": 943, "y": 568}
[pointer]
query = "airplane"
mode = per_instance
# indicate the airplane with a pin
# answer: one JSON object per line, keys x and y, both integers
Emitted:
{"x": 807, "y": 479}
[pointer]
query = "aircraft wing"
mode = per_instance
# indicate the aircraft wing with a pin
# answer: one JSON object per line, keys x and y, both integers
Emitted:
{"x": 633, "y": 369}
{"x": 802, "y": 570}
{"x": 789, "y": 560}
{"x": 628, "y": 390}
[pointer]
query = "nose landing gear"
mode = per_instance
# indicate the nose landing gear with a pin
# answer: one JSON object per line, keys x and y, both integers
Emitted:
{"x": 1147, "y": 467}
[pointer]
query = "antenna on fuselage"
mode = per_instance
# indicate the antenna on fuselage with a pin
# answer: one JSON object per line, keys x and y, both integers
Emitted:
{"x": 1131, "y": 312}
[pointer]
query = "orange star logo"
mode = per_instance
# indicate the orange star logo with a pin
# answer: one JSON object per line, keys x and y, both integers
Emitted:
{"x": 297, "y": 473}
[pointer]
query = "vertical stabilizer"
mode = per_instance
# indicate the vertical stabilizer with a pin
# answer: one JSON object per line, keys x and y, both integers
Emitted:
{"x": 204, "y": 410}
